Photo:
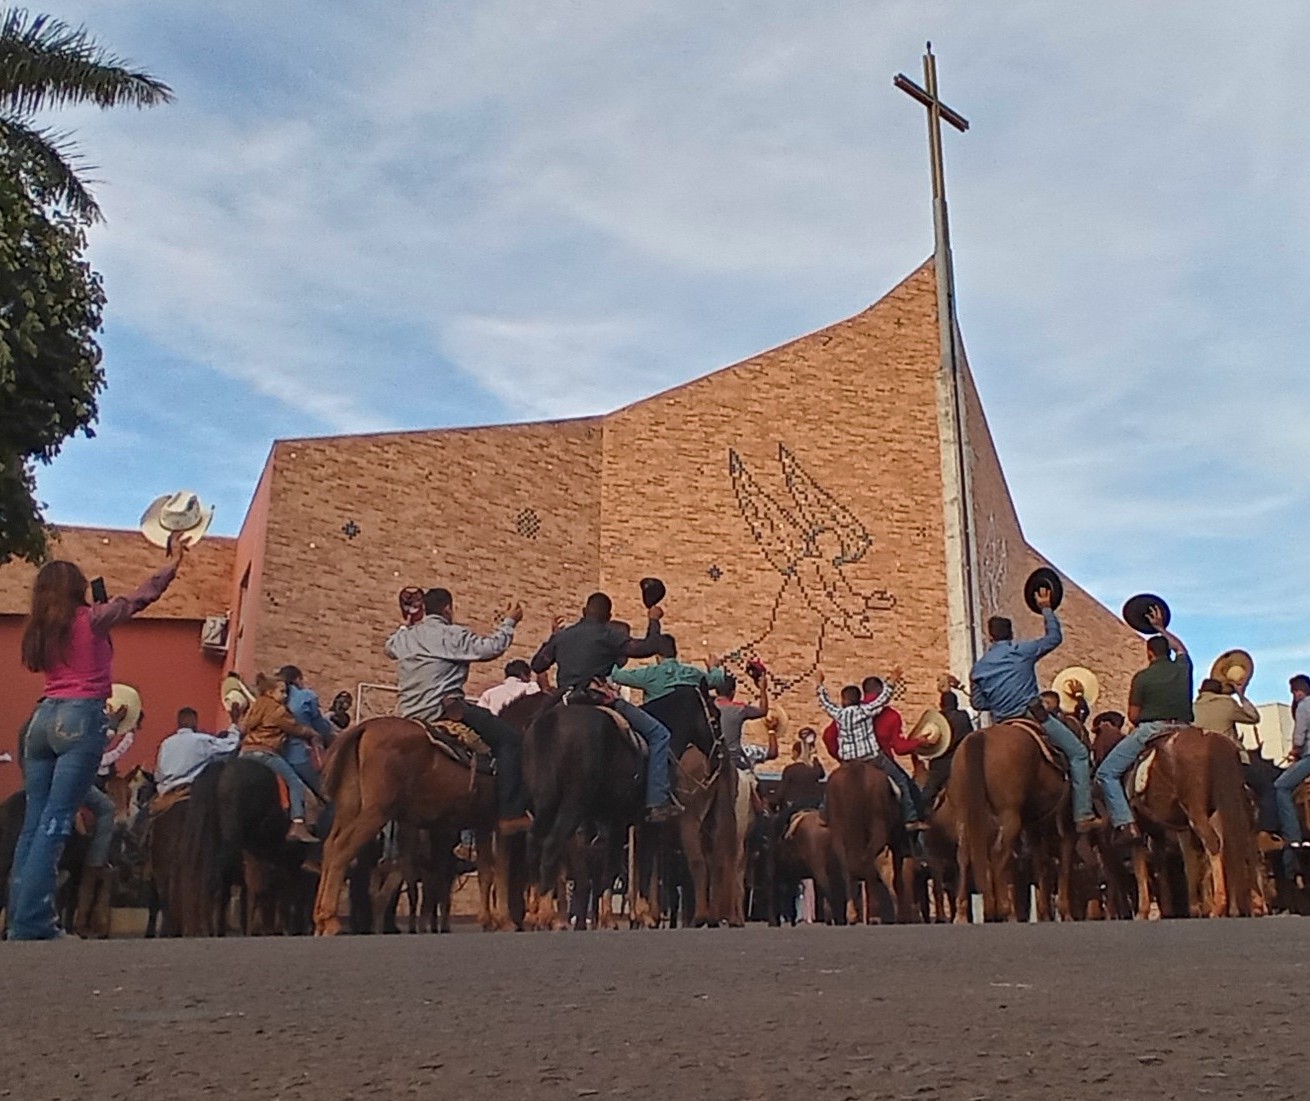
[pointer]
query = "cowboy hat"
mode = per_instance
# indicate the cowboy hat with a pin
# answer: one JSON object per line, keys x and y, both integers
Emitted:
{"x": 234, "y": 690}
{"x": 173, "y": 513}
{"x": 934, "y": 731}
{"x": 1137, "y": 607}
{"x": 1088, "y": 684}
{"x": 652, "y": 591}
{"x": 1043, "y": 578}
{"x": 126, "y": 698}
{"x": 1233, "y": 668}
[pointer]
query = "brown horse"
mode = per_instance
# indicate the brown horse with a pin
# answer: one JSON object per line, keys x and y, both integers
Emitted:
{"x": 806, "y": 851}
{"x": 868, "y": 838}
{"x": 1005, "y": 790}
{"x": 1197, "y": 796}
{"x": 386, "y": 769}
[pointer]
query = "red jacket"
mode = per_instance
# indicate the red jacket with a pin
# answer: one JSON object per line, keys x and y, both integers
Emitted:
{"x": 888, "y": 728}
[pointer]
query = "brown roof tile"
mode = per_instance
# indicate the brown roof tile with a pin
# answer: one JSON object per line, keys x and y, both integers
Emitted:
{"x": 124, "y": 559}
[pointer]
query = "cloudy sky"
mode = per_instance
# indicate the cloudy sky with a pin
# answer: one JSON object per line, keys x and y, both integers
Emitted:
{"x": 419, "y": 214}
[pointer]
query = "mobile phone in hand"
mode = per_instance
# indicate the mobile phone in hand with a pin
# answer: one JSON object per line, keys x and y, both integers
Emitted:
{"x": 98, "y": 593}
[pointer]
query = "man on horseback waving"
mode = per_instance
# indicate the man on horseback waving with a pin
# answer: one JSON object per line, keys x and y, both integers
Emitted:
{"x": 585, "y": 655}
{"x": 1159, "y": 697}
{"x": 1004, "y": 682}
{"x": 433, "y": 655}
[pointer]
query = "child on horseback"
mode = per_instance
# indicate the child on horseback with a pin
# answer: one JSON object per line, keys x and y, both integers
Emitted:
{"x": 858, "y": 741}
{"x": 265, "y": 728}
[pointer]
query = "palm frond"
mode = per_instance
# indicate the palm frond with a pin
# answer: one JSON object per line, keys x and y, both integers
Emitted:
{"x": 45, "y": 62}
{"x": 51, "y": 164}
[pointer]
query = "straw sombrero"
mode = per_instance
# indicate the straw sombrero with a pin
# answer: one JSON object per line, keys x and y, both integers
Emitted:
{"x": 1233, "y": 669}
{"x": 235, "y": 690}
{"x": 124, "y": 695}
{"x": 176, "y": 513}
{"x": 934, "y": 731}
{"x": 1091, "y": 687}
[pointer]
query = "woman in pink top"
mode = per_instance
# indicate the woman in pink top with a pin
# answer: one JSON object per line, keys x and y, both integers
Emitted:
{"x": 67, "y": 639}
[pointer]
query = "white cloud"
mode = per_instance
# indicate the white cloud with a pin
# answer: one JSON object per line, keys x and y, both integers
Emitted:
{"x": 436, "y": 213}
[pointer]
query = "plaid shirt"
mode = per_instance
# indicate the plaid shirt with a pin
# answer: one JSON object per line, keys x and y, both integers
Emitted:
{"x": 855, "y": 738}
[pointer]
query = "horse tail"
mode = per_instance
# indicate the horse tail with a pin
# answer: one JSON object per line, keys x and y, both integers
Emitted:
{"x": 976, "y": 826}
{"x": 1232, "y": 808}
{"x": 197, "y": 879}
{"x": 345, "y": 750}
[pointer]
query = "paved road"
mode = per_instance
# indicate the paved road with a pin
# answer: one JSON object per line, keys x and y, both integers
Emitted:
{"x": 1161, "y": 1010}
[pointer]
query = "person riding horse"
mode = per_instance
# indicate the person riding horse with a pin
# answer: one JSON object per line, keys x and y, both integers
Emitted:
{"x": 585, "y": 654}
{"x": 433, "y": 655}
{"x": 1004, "y": 682}
{"x": 1159, "y": 697}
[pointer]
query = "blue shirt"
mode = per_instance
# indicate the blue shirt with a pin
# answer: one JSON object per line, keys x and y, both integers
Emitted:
{"x": 303, "y": 704}
{"x": 1004, "y": 681}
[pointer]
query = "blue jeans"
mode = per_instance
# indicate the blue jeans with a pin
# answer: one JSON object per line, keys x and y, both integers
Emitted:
{"x": 1080, "y": 765}
{"x": 1289, "y": 824}
{"x": 97, "y": 854}
{"x": 61, "y": 756}
{"x": 295, "y": 785}
{"x": 298, "y": 756}
{"x": 1118, "y": 761}
{"x": 656, "y": 736}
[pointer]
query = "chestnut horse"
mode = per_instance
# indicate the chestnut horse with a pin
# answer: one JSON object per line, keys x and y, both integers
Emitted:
{"x": 868, "y": 838}
{"x": 385, "y": 769}
{"x": 1004, "y": 790}
{"x": 1196, "y": 792}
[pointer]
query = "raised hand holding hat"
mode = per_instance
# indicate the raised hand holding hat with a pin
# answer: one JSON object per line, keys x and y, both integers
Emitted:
{"x": 176, "y": 516}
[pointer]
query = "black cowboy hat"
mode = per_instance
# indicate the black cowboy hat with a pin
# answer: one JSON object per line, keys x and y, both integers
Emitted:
{"x": 652, "y": 591}
{"x": 1043, "y": 578}
{"x": 1137, "y": 607}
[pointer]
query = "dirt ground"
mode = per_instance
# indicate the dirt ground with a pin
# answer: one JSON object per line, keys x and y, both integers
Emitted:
{"x": 1121, "y": 1010}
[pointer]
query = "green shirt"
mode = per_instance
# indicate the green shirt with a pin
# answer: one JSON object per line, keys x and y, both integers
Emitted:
{"x": 658, "y": 680}
{"x": 1163, "y": 690}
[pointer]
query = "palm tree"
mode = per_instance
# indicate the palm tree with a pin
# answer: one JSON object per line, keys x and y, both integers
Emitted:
{"x": 47, "y": 63}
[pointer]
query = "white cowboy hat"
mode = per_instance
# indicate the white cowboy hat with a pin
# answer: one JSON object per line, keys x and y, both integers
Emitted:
{"x": 1233, "y": 668}
{"x": 1084, "y": 679}
{"x": 235, "y": 690}
{"x": 934, "y": 730}
{"x": 173, "y": 513}
{"x": 124, "y": 696}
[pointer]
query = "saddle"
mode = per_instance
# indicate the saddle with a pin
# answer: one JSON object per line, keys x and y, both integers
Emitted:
{"x": 166, "y": 802}
{"x": 1139, "y": 775}
{"x": 1034, "y": 729}
{"x": 460, "y": 743}
{"x": 796, "y": 819}
{"x": 598, "y": 696}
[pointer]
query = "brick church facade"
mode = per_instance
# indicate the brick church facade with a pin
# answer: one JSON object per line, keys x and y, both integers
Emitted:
{"x": 792, "y": 503}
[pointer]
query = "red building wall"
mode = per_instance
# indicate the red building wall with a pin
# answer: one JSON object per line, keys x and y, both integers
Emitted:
{"x": 160, "y": 658}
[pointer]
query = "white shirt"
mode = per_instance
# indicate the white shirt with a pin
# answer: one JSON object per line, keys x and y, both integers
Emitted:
{"x": 500, "y": 696}
{"x": 183, "y": 756}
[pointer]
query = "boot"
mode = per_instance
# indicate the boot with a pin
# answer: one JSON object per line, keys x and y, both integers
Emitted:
{"x": 299, "y": 832}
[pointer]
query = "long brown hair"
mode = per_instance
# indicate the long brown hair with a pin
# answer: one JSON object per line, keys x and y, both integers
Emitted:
{"x": 57, "y": 593}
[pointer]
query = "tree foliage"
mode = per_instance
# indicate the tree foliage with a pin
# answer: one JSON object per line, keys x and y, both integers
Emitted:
{"x": 51, "y": 301}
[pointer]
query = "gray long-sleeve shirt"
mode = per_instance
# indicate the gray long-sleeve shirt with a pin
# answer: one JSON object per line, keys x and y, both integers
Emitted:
{"x": 433, "y": 658}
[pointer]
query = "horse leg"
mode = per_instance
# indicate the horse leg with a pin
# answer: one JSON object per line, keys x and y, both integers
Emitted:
{"x": 1142, "y": 872}
{"x": 1064, "y": 874}
{"x": 348, "y": 836}
{"x": 885, "y": 866}
{"x": 1002, "y": 900}
{"x": 691, "y": 831}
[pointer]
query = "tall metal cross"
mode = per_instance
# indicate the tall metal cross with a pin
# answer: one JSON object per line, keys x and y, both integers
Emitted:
{"x": 960, "y": 525}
